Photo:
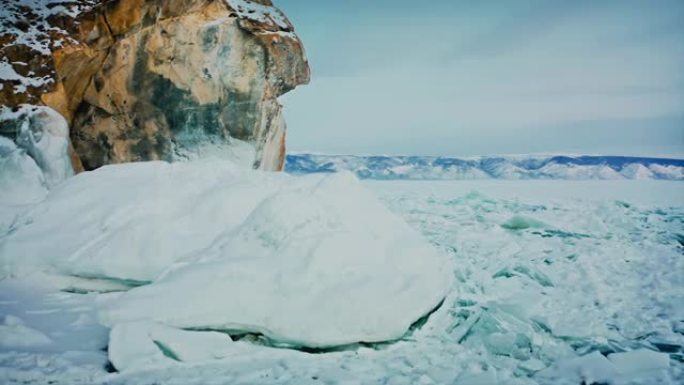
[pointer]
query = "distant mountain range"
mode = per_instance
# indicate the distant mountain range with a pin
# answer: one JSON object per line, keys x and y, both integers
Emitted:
{"x": 489, "y": 167}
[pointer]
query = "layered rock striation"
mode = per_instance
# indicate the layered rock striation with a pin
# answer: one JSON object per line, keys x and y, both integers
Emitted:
{"x": 140, "y": 80}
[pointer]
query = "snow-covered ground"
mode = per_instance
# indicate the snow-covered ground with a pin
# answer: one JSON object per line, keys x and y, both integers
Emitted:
{"x": 566, "y": 167}
{"x": 553, "y": 282}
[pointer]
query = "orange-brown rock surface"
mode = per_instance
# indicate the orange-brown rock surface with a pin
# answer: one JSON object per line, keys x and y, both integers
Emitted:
{"x": 152, "y": 79}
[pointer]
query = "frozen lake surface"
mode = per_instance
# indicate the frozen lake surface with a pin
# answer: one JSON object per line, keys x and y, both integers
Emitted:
{"x": 555, "y": 282}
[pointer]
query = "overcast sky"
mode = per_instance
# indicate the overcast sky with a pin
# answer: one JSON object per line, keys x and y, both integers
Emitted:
{"x": 455, "y": 77}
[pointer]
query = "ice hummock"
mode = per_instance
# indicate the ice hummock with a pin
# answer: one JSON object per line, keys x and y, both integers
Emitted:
{"x": 141, "y": 345}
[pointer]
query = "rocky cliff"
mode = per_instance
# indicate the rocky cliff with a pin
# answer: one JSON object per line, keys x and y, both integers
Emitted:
{"x": 139, "y": 80}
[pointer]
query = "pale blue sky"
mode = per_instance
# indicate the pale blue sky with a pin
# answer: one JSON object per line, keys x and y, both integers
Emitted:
{"x": 451, "y": 77}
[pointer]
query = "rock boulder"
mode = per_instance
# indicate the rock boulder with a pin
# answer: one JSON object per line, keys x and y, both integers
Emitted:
{"x": 153, "y": 79}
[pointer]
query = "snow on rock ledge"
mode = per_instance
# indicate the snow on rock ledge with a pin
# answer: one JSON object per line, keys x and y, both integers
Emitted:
{"x": 306, "y": 261}
{"x": 44, "y": 134}
{"x": 21, "y": 180}
{"x": 34, "y": 157}
{"x": 22, "y": 183}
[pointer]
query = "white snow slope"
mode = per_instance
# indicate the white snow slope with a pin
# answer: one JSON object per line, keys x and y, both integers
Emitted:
{"x": 556, "y": 282}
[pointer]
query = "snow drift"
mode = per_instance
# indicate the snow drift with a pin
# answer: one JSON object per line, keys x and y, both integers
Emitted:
{"x": 305, "y": 261}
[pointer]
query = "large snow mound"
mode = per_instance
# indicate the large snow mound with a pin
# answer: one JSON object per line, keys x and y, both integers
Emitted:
{"x": 305, "y": 261}
{"x": 319, "y": 263}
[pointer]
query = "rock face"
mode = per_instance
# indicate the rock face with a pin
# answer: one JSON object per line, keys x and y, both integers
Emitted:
{"x": 153, "y": 79}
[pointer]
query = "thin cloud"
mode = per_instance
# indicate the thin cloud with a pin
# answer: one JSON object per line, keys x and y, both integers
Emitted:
{"x": 488, "y": 76}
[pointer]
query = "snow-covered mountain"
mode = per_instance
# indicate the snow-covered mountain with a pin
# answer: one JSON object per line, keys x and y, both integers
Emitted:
{"x": 490, "y": 167}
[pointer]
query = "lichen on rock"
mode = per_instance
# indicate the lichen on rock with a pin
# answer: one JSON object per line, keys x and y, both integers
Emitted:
{"x": 149, "y": 79}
